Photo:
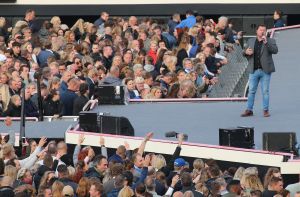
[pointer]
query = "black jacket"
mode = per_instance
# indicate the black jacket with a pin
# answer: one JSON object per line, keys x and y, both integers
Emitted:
{"x": 92, "y": 172}
{"x": 39, "y": 174}
{"x": 7, "y": 191}
{"x": 12, "y": 111}
{"x": 30, "y": 109}
{"x": 52, "y": 107}
{"x": 79, "y": 103}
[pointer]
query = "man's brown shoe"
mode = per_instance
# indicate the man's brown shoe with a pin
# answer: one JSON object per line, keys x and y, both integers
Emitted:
{"x": 247, "y": 113}
{"x": 266, "y": 113}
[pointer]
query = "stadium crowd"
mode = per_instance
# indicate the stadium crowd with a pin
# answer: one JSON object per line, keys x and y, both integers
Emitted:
{"x": 50, "y": 169}
{"x": 152, "y": 59}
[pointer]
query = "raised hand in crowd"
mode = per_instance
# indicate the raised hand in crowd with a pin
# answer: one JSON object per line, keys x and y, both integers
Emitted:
{"x": 102, "y": 141}
{"x": 81, "y": 139}
{"x": 127, "y": 146}
{"x": 42, "y": 141}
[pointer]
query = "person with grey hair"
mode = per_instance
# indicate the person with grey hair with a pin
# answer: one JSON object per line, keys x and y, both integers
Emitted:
{"x": 113, "y": 77}
{"x": 223, "y": 185}
{"x": 138, "y": 70}
{"x": 187, "y": 89}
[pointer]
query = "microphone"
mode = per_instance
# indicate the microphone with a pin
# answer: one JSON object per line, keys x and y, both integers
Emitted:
{"x": 175, "y": 134}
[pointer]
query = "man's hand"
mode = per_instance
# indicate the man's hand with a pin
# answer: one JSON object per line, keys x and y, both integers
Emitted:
{"x": 58, "y": 156}
{"x": 42, "y": 141}
{"x": 147, "y": 160}
{"x": 127, "y": 147}
{"x": 180, "y": 137}
{"x": 264, "y": 38}
{"x": 249, "y": 51}
{"x": 102, "y": 141}
{"x": 81, "y": 139}
{"x": 149, "y": 136}
{"x": 175, "y": 180}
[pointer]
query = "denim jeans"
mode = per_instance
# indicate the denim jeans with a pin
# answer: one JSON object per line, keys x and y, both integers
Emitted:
{"x": 254, "y": 78}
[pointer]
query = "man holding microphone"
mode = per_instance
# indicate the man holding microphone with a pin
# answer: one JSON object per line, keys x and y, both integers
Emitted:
{"x": 259, "y": 52}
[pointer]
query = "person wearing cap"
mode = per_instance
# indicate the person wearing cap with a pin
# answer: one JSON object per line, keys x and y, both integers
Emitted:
{"x": 68, "y": 191}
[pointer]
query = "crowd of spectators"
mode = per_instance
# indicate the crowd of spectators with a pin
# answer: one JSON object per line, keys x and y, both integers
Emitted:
{"x": 49, "y": 169}
{"x": 152, "y": 59}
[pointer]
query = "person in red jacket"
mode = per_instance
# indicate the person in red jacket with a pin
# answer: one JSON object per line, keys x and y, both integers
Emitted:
{"x": 153, "y": 51}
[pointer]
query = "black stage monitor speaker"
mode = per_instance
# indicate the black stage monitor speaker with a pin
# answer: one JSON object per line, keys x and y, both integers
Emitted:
{"x": 99, "y": 123}
{"x": 241, "y": 137}
{"x": 110, "y": 94}
{"x": 89, "y": 121}
{"x": 279, "y": 142}
{"x": 116, "y": 125}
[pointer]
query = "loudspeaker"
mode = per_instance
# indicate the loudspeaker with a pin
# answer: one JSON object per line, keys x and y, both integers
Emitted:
{"x": 116, "y": 125}
{"x": 280, "y": 142}
{"x": 110, "y": 94}
{"x": 241, "y": 137}
{"x": 99, "y": 123}
{"x": 89, "y": 121}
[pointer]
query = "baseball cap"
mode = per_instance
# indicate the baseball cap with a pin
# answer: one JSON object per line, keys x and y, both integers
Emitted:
{"x": 179, "y": 162}
{"x": 68, "y": 191}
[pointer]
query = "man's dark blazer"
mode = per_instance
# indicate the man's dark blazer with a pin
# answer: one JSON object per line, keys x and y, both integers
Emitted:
{"x": 266, "y": 59}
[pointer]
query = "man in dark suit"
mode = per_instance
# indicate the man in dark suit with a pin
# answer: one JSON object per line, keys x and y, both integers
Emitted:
{"x": 92, "y": 81}
{"x": 259, "y": 53}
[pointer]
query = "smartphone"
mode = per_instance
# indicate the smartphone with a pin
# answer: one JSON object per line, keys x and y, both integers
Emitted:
{"x": 23, "y": 140}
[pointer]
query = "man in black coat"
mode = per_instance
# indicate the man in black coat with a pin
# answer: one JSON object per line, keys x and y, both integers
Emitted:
{"x": 80, "y": 101}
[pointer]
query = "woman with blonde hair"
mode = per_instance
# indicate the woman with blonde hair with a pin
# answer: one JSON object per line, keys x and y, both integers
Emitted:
{"x": 78, "y": 26}
{"x": 14, "y": 107}
{"x": 83, "y": 187}
{"x": 57, "y": 189}
{"x": 11, "y": 171}
{"x": 70, "y": 37}
{"x": 158, "y": 161}
{"x": 156, "y": 93}
{"x": 45, "y": 180}
{"x": 126, "y": 192}
{"x": 56, "y": 22}
{"x": 4, "y": 90}
{"x": 250, "y": 183}
{"x": 239, "y": 173}
{"x": 117, "y": 61}
{"x": 272, "y": 172}
{"x": 170, "y": 62}
{"x": 183, "y": 49}
{"x": 198, "y": 165}
{"x": 27, "y": 46}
